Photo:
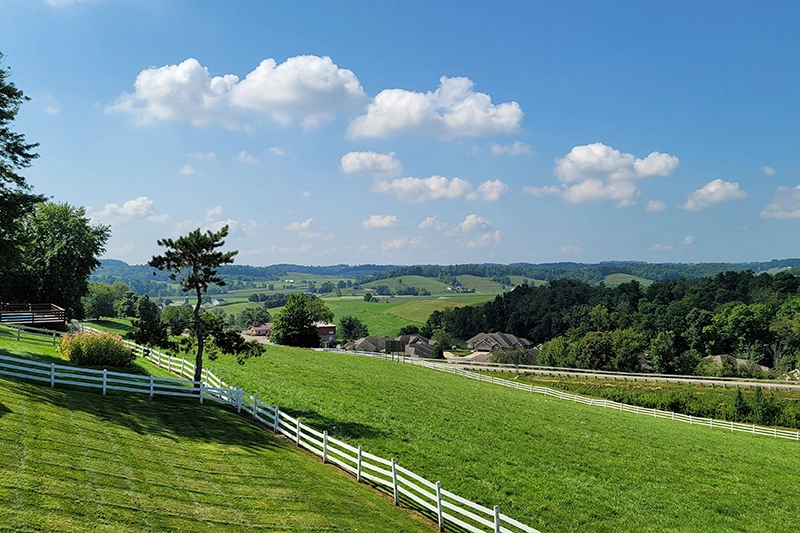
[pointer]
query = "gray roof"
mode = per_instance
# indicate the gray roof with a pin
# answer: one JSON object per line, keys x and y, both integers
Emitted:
{"x": 497, "y": 341}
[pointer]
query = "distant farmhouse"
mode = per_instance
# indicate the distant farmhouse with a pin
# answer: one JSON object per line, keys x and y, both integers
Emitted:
{"x": 409, "y": 345}
{"x": 493, "y": 342}
{"x": 326, "y": 332}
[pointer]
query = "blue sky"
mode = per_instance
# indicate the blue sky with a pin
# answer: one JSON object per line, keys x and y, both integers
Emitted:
{"x": 421, "y": 132}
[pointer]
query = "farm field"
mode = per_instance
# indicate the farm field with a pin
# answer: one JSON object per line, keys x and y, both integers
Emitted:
{"x": 517, "y": 280}
{"x": 386, "y": 319}
{"x": 613, "y": 280}
{"x": 421, "y": 282}
{"x": 482, "y": 285}
{"x": 554, "y": 465}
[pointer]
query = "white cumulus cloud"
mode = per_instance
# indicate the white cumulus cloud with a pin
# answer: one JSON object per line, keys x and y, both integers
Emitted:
{"x": 785, "y": 204}
{"x": 377, "y": 222}
{"x": 141, "y": 208}
{"x": 275, "y": 150}
{"x": 380, "y": 165}
{"x": 483, "y": 241}
{"x": 515, "y": 148}
{"x": 654, "y": 206}
{"x": 769, "y": 171}
{"x": 490, "y": 190}
{"x": 187, "y": 170}
{"x": 596, "y": 190}
{"x": 538, "y": 192}
{"x": 452, "y": 110}
{"x": 400, "y": 243}
{"x": 423, "y": 189}
{"x": 206, "y": 156}
{"x": 688, "y": 240}
{"x": 309, "y": 88}
{"x": 244, "y": 157}
{"x": 598, "y": 159}
{"x": 300, "y": 226}
{"x": 472, "y": 222}
{"x": 713, "y": 192}
{"x": 431, "y": 222}
{"x": 571, "y": 250}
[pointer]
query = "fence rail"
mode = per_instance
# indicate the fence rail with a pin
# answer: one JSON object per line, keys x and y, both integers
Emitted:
{"x": 407, "y": 487}
{"x": 606, "y": 404}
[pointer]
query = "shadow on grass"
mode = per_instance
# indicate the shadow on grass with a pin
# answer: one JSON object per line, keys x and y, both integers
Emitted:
{"x": 170, "y": 418}
{"x": 336, "y": 428}
{"x": 4, "y": 410}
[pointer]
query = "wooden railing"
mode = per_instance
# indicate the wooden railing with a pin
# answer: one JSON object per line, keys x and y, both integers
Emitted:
{"x": 31, "y": 314}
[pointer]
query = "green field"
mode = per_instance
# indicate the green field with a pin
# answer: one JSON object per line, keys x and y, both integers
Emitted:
{"x": 555, "y": 465}
{"x": 612, "y": 280}
{"x": 517, "y": 280}
{"x": 431, "y": 284}
{"x": 79, "y": 461}
{"x": 386, "y": 319}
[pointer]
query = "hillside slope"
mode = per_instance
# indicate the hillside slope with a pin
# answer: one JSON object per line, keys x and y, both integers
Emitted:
{"x": 78, "y": 461}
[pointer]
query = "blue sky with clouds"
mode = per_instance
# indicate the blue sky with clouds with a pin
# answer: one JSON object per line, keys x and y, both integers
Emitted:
{"x": 419, "y": 132}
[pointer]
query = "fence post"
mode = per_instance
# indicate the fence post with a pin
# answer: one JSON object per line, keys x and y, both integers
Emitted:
{"x": 298, "y": 431}
{"x": 105, "y": 379}
{"x": 324, "y": 446}
{"x": 439, "y": 505}
{"x": 54, "y": 338}
{"x": 255, "y": 405}
{"x": 394, "y": 481}
{"x": 52, "y": 375}
{"x": 152, "y": 379}
{"x": 358, "y": 468}
{"x": 496, "y": 519}
{"x": 201, "y": 392}
{"x": 183, "y": 363}
{"x": 275, "y": 420}
{"x": 238, "y": 400}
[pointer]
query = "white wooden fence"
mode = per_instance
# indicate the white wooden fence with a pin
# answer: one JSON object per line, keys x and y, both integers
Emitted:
{"x": 606, "y": 404}
{"x": 407, "y": 487}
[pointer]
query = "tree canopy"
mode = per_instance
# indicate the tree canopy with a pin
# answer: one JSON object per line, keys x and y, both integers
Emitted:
{"x": 193, "y": 261}
{"x": 294, "y": 324}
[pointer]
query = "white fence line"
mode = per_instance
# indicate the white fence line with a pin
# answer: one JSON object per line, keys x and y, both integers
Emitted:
{"x": 605, "y": 404}
{"x": 33, "y": 332}
{"x": 407, "y": 488}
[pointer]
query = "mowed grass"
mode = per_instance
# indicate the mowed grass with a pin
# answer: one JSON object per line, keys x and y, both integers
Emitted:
{"x": 613, "y": 280}
{"x": 78, "y": 461}
{"x": 555, "y": 465}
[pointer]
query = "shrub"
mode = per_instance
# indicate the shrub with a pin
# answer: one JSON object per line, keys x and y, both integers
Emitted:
{"x": 96, "y": 349}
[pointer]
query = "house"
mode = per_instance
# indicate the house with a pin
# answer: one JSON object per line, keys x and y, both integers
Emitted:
{"x": 412, "y": 345}
{"x": 219, "y": 301}
{"x": 735, "y": 361}
{"x": 260, "y": 330}
{"x": 492, "y": 342}
{"x": 326, "y": 332}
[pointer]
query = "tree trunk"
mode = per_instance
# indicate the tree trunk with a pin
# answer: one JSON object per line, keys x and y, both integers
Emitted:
{"x": 201, "y": 337}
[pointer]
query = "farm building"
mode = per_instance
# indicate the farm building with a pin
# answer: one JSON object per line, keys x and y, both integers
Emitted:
{"x": 493, "y": 342}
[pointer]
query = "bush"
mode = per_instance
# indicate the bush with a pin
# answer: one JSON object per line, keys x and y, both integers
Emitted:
{"x": 96, "y": 349}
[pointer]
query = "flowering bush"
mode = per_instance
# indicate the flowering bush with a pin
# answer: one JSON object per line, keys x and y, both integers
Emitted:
{"x": 96, "y": 349}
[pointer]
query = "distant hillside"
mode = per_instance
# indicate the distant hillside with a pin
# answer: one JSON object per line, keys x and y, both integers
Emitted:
{"x": 145, "y": 280}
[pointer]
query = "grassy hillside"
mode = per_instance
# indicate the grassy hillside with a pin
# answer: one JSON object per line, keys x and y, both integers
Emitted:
{"x": 79, "y": 461}
{"x": 554, "y": 465}
{"x": 612, "y": 280}
{"x": 431, "y": 284}
{"x": 377, "y": 316}
{"x": 418, "y": 310}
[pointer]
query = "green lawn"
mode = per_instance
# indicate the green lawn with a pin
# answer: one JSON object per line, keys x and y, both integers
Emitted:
{"x": 557, "y": 466}
{"x": 79, "y": 461}
{"x": 612, "y": 280}
{"x": 377, "y": 316}
{"x": 418, "y": 310}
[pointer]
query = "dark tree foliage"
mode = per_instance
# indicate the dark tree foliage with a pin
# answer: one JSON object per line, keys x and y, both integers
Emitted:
{"x": 16, "y": 200}
{"x": 294, "y": 325}
{"x": 192, "y": 261}
{"x": 351, "y": 328}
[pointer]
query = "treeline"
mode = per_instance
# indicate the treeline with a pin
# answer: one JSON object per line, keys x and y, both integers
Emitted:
{"x": 586, "y": 272}
{"x": 668, "y": 327}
